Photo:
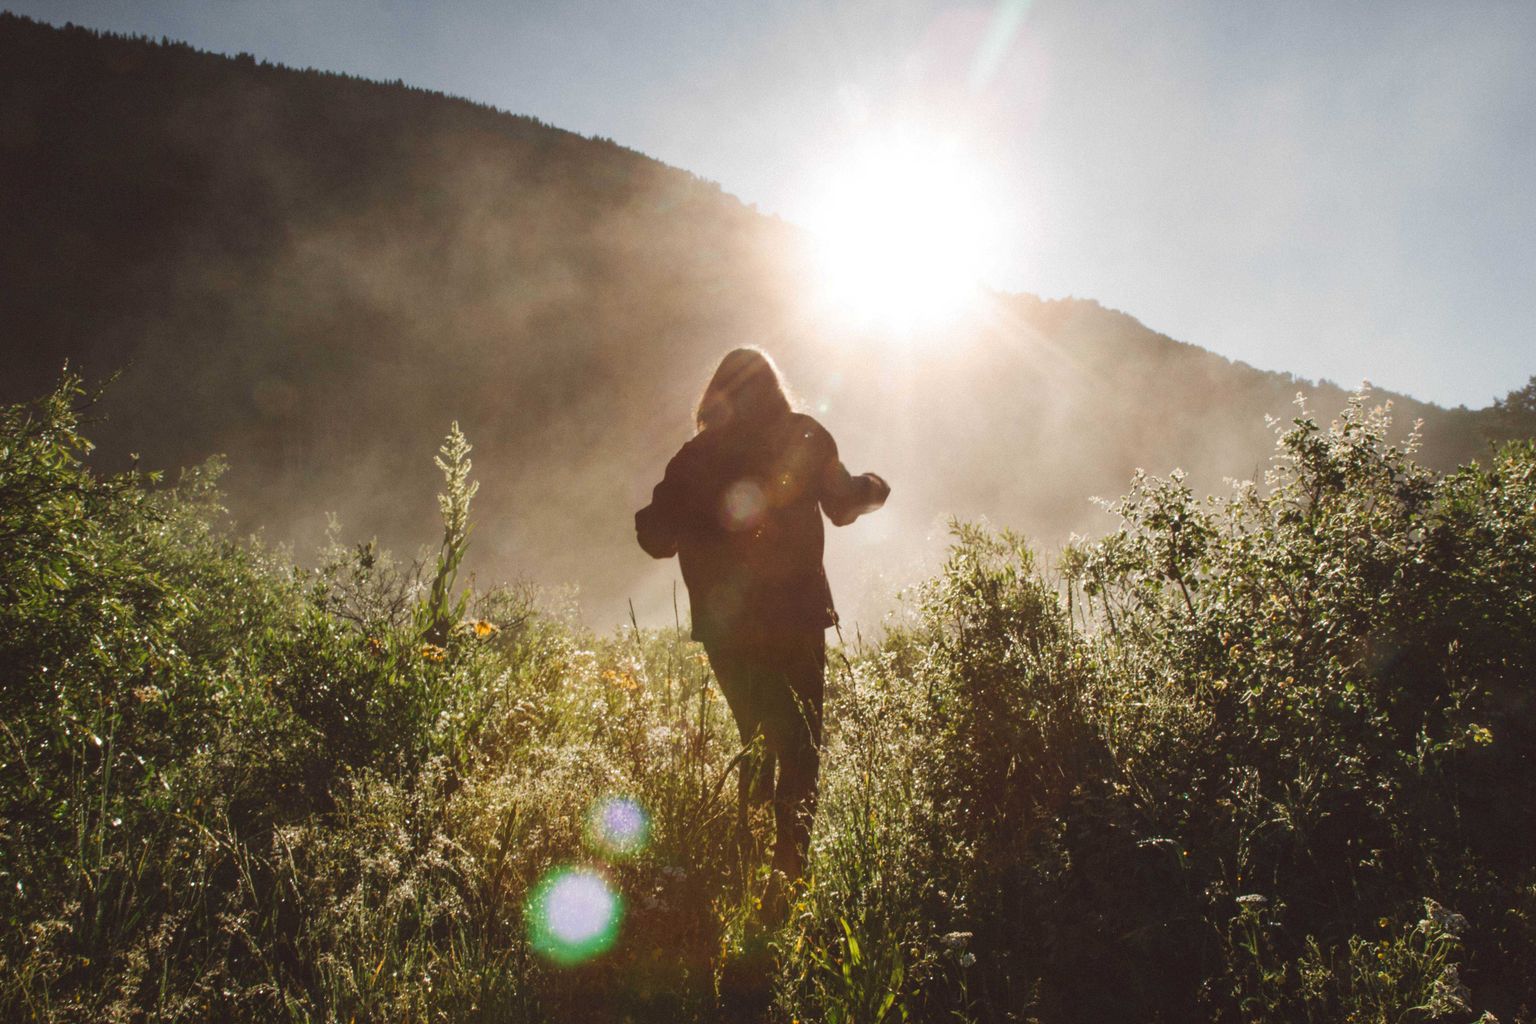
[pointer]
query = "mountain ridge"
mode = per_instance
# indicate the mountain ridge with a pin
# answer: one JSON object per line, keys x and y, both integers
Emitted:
{"x": 330, "y": 269}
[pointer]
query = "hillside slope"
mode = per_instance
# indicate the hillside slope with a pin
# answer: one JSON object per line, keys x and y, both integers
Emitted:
{"x": 314, "y": 274}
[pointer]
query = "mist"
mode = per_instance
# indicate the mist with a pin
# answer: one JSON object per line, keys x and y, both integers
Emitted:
{"x": 312, "y": 276}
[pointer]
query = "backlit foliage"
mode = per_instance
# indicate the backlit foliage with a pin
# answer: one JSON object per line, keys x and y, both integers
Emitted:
{"x": 1257, "y": 757}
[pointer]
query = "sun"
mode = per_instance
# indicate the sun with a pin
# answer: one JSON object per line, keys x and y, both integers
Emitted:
{"x": 903, "y": 232}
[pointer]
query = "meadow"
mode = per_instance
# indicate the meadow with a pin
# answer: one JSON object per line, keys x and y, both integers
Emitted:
{"x": 1263, "y": 756}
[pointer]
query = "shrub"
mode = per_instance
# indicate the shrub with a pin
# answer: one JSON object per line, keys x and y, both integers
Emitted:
{"x": 1240, "y": 737}
{"x": 1258, "y": 757}
{"x": 234, "y": 788}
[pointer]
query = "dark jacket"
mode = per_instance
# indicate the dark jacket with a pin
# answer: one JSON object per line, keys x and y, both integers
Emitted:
{"x": 741, "y": 508}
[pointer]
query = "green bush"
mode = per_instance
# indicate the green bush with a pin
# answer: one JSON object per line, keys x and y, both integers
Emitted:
{"x": 234, "y": 788}
{"x": 1198, "y": 775}
{"x": 1259, "y": 757}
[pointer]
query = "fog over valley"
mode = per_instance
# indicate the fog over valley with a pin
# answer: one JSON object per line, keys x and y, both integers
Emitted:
{"x": 313, "y": 275}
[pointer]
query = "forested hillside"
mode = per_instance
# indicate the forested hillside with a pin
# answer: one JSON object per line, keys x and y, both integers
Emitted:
{"x": 313, "y": 274}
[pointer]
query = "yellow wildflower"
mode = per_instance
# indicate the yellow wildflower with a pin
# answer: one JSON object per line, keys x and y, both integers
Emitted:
{"x": 622, "y": 680}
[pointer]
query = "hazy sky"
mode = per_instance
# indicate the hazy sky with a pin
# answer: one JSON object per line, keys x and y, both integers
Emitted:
{"x": 1341, "y": 190}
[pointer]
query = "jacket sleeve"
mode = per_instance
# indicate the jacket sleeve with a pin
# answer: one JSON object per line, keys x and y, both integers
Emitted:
{"x": 845, "y": 497}
{"x": 659, "y": 525}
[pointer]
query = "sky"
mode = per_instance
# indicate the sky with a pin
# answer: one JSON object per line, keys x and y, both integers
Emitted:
{"x": 1341, "y": 190}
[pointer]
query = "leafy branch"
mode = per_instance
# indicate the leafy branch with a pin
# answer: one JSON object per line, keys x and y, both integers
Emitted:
{"x": 437, "y": 614}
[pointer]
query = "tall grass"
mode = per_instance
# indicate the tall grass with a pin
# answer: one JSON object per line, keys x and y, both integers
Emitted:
{"x": 1261, "y": 757}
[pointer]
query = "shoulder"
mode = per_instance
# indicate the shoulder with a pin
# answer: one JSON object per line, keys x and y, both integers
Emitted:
{"x": 807, "y": 433}
{"x": 806, "y": 428}
{"x": 694, "y": 451}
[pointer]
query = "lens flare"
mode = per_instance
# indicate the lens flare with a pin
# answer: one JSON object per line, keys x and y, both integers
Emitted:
{"x": 573, "y": 915}
{"x": 742, "y": 505}
{"x": 618, "y": 827}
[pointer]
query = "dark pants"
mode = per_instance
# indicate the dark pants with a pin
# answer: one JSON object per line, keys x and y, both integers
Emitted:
{"x": 774, "y": 688}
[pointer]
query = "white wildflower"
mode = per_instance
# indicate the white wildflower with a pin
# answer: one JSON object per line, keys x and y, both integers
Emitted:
{"x": 956, "y": 940}
{"x": 1439, "y": 918}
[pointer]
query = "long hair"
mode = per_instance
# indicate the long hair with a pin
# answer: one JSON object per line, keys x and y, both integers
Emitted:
{"x": 746, "y": 388}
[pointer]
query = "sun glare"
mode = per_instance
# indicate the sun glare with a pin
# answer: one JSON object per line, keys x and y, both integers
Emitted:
{"x": 903, "y": 233}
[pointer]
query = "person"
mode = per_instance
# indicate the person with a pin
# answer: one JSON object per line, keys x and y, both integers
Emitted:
{"x": 740, "y": 505}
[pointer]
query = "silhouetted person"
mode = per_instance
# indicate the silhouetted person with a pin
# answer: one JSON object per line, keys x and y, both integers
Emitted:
{"x": 740, "y": 505}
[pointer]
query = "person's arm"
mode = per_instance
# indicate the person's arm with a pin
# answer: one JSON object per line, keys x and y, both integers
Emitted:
{"x": 845, "y": 497}
{"x": 659, "y": 525}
